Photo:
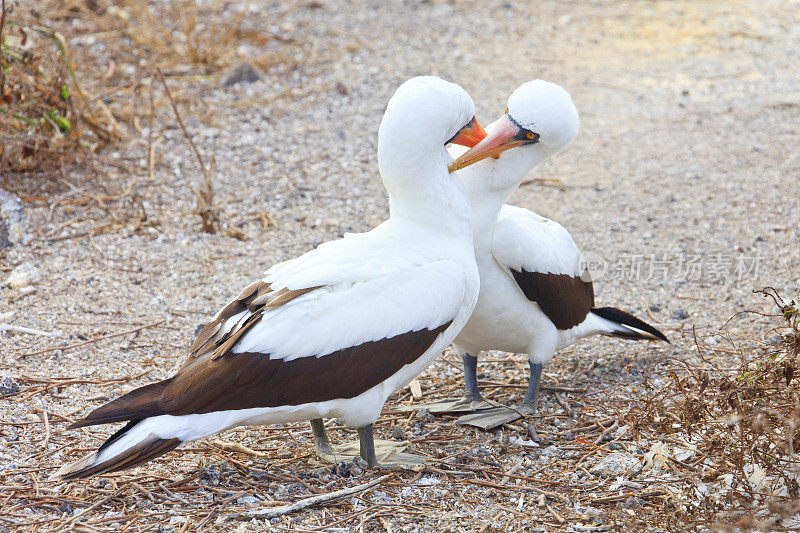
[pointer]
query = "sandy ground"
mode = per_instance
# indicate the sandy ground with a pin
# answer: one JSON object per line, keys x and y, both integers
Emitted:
{"x": 683, "y": 181}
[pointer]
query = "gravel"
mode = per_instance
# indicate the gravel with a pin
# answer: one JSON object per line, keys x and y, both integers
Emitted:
{"x": 248, "y": 500}
{"x": 244, "y": 73}
{"x": 23, "y": 276}
{"x": 617, "y": 464}
{"x": 424, "y": 415}
{"x": 685, "y": 169}
{"x": 680, "y": 314}
{"x": 8, "y": 386}
{"x": 13, "y": 222}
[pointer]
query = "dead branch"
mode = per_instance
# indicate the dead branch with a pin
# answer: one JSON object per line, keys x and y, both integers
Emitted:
{"x": 314, "y": 500}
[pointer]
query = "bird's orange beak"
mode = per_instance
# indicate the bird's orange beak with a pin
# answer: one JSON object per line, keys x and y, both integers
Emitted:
{"x": 470, "y": 135}
{"x": 504, "y": 136}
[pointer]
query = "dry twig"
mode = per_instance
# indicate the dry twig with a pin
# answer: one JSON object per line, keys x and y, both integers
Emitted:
{"x": 204, "y": 195}
{"x": 315, "y": 500}
{"x": 97, "y": 339}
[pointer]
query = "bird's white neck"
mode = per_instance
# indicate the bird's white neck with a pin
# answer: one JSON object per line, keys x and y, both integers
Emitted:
{"x": 422, "y": 191}
{"x": 489, "y": 184}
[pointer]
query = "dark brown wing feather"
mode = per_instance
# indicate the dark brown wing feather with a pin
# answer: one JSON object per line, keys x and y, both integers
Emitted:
{"x": 565, "y": 299}
{"x": 250, "y": 380}
{"x": 256, "y": 298}
{"x": 238, "y": 305}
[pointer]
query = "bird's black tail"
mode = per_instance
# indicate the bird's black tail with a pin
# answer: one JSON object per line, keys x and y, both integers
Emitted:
{"x": 626, "y": 326}
{"x": 128, "y": 447}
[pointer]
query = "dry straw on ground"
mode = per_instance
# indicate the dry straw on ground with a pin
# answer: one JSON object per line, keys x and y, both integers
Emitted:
{"x": 60, "y": 105}
{"x": 46, "y": 116}
{"x": 737, "y": 408}
{"x": 708, "y": 440}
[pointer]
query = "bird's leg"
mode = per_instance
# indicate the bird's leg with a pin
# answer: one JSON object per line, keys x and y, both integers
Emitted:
{"x": 367, "y": 445}
{"x": 321, "y": 442}
{"x": 532, "y": 394}
{"x": 492, "y": 418}
{"x": 531, "y": 400}
{"x": 471, "y": 389}
{"x": 472, "y": 400}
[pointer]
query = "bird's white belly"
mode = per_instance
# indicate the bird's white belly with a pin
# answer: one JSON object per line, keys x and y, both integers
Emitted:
{"x": 409, "y": 372}
{"x": 504, "y": 319}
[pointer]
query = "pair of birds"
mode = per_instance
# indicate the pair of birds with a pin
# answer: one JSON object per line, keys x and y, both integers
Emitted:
{"x": 334, "y": 332}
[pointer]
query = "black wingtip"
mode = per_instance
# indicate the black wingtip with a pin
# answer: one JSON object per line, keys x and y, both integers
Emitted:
{"x": 626, "y": 319}
{"x": 136, "y": 455}
{"x": 133, "y": 406}
{"x": 80, "y": 424}
{"x": 124, "y": 429}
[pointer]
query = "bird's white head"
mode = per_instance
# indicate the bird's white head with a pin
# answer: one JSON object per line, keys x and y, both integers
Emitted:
{"x": 540, "y": 121}
{"x": 546, "y": 110}
{"x": 424, "y": 115}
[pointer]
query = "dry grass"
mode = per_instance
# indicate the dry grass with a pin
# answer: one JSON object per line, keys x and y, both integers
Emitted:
{"x": 79, "y": 78}
{"x": 738, "y": 408}
{"x": 46, "y": 117}
{"x": 714, "y": 438}
{"x": 182, "y": 34}
{"x": 204, "y": 193}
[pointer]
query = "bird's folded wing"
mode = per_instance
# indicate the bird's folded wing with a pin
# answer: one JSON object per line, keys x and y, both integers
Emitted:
{"x": 546, "y": 264}
{"x": 321, "y": 343}
{"x": 345, "y": 262}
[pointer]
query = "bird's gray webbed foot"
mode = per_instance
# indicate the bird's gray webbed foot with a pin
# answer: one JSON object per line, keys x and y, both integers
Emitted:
{"x": 496, "y": 417}
{"x": 471, "y": 402}
{"x": 376, "y": 453}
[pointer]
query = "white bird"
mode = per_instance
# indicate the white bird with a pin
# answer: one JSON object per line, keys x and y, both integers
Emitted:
{"x": 536, "y": 295}
{"x": 335, "y": 331}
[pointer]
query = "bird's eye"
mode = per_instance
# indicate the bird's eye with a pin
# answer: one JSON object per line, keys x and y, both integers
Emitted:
{"x": 530, "y": 135}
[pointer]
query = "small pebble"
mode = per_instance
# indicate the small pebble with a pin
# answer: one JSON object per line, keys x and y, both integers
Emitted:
{"x": 617, "y": 464}
{"x": 680, "y": 314}
{"x": 13, "y": 222}
{"x": 244, "y": 73}
{"x": 8, "y": 386}
{"x": 348, "y": 468}
{"x": 425, "y": 415}
{"x": 248, "y": 500}
{"x": 633, "y": 503}
{"x": 24, "y": 275}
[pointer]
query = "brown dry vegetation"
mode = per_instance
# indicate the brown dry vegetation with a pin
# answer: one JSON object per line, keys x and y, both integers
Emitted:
{"x": 46, "y": 117}
{"x": 714, "y": 441}
{"x": 62, "y": 106}
{"x": 736, "y": 407}
{"x": 713, "y": 426}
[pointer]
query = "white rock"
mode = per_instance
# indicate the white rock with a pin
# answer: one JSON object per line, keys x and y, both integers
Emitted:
{"x": 13, "y": 223}
{"x": 516, "y": 441}
{"x": 248, "y": 500}
{"x": 657, "y": 459}
{"x": 617, "y": 464}
{"x": 24, "y": 275}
